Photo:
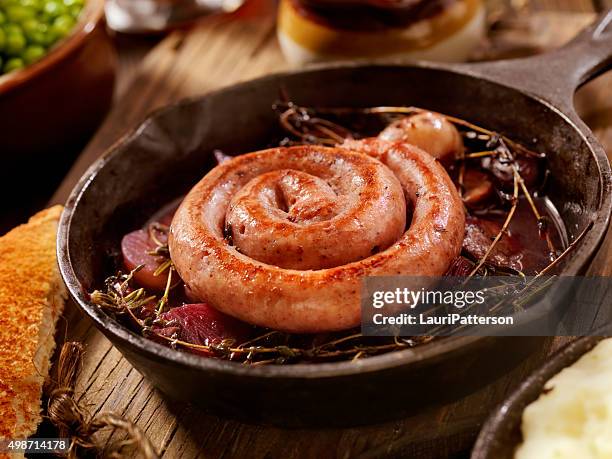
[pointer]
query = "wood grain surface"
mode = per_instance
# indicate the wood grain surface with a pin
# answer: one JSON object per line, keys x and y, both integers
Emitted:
{"x": 216, "y": 53}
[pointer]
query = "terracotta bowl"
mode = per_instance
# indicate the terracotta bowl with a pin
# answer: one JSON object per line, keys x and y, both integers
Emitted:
{"x": 60, "y": 100}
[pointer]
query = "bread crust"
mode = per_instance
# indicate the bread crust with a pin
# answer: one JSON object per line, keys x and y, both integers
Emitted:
{"x": 32, "y": 297}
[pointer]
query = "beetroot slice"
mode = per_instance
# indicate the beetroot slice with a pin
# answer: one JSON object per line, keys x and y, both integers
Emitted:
{"x": 202, "y": 324}
{"x": 460, "y": 267}
{"x": 478, "y": 189}
{"x": 136, "y": 247}
{"x": 479, "y": 234}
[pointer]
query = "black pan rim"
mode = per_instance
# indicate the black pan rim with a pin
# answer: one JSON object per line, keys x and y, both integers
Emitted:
{"x": 429, "y": 352}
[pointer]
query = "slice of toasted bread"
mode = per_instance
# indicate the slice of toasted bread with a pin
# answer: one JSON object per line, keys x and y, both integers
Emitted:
{"x": 32, "y": 297}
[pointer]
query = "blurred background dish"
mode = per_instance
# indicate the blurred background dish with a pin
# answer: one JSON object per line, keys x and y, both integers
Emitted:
{"x": 320, "y": 30}
{"x": 501, "y": 434}
{"x": 29, "y": 29}
{"x": 147, "y": 16}
{"x": 61, "y": 97}
{"x": 50, "y": 108}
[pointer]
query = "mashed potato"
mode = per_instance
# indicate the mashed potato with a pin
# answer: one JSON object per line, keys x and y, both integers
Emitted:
{"x": 573, "y": 417}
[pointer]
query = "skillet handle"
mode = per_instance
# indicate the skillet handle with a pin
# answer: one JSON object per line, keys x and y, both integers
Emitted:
{"x": 555, "y": 76}
{"x": 589, "y": 54}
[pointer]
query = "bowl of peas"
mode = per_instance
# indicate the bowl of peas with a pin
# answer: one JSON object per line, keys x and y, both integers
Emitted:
{"x": 57, "y": 73}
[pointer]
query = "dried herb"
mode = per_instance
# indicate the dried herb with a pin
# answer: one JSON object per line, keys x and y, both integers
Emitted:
{"x": 306, "y": 125}
{"x": 502, "y": 231}
{"x": 119, "y": 297}
{"x": 302, "y": 123}
{"x": 123, "y": 301}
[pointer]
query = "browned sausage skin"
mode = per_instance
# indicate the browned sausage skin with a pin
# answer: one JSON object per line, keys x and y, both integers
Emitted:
{"x": 282, "y": 238}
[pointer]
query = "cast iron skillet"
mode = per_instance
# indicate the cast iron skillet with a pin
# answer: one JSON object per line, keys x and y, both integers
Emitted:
{"x": 501, "y": 434}
{"x": 172, "y": 150}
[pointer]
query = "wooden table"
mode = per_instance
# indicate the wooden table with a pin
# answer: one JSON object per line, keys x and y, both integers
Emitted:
{"x": 217, "y": 53}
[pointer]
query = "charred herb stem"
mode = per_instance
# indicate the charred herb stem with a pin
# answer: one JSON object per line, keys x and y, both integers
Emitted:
{"x": 501, "y": 232}
{"x": 164, "y": 299}
{"x": 481, "y": 154}
{"x": 534, "y": 209}
{"x": 306, "y": 125}
{"x": 567, "y": 251}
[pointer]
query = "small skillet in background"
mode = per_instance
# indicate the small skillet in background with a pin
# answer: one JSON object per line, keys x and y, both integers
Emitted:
{"x": 526, "y": 99}
{"x": 501, "y": 434}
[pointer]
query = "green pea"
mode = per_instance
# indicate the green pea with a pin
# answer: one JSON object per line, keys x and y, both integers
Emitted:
{"x": 53, "y": 9}
{"x": 12, "y": 28}
{"x": 18, "y": 13}
{"x": 15, "y": 43}
{"x": 32, "y": 4}
{"x": 29, "y": 27}
{"x": 12, "y": 64}
{"x": 33, "y": 53}
{"x": 75, "y": 10}
{"x": 35, "y": 32}
{"x": 62, "y": 26}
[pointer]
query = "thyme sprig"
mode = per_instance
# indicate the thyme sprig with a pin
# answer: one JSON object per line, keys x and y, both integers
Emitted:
{"x": 161, "y": 250}
{"x": 296, "y": 118}
{"x": 119, "y": 298}
{"x": 501, "y": 232}
{"x": 481, "y": 154}
{"x": 509, "y": 157}
{"x": 307, "y": 125}
{"x": 163, "y": 301}
{"x": 302, "y": 122}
